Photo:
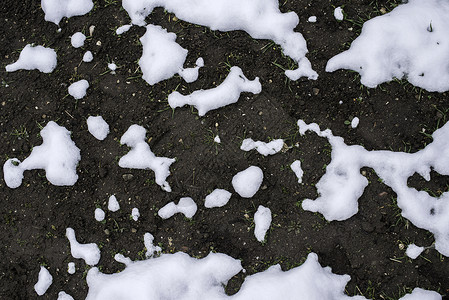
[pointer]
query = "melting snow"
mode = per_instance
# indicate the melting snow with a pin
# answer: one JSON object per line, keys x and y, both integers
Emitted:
{"x": 71, "y": 268}
{"x": 55, "y": 10}
{"x": 217, "y": 198}
{"x": 98, "y": 127}
{"x": 355, "y": 122}
{"x": 77, "y": 40}
{"x": 148, "y": 239}
{"x": 247, "y": 182}
{"x": 35, "y": 57}
{"x": 141, "y": 157}
{"x": 113, "y": 204}
{"x": 64, "y": 296}
{"x": 135, "y": 214}
{"x": 178, "y": 276}
{"x": 89, "y": 252}
{"x": 78, "y": 89}
{"x": 226, "y": 93}
{"x": 420, "y": 294}
{"x": 262, "y": 221}
{"x": 342, "y": 184}
{"x": 410, "y": 42}
{"x": 99, "y": 214}
{"x": 162, "y": 57}
{"x": 261, "y": 19}
{"x": 413, "y": 251}
{"x": 123, "y": 29}
{"x": 44, "y": 281}
{"x": 311, "y": 19}
{"x": 263, "y": 148}
{"x": 58, "y": 155}
{"x": 88, "y": 57}
{"x": 338, "y": 14}
{"x": 296, "y": 168}
{"x": 186, "y": 206}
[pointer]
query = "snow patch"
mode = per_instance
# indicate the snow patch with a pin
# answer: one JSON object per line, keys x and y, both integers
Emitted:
{"x": 263, "y": 148}
{"x": 311, "y": 19}
{"x": 78, "y": 89}
{"x": 123, "y": 29}
{"x": 413, "y": 251}
{"x": 226, "y": 93}
{"x": 421, "y": 294}
{"x": 58, "y": 155}
{"x": 135, "y": 214}
{"x": 262, "y": 221}
{"x": 162, "y": 57}
{"x": 44, "y": 281}
{"x": 34, "y": 58}
{"x": 98, "y": 127}
{"x": 261, "y": 19}
{"x": 77, "y": 39}
{"x": 148, "y": 239}
{"x": 296, "y": 168}
{"x": 89, "y": 252}
{"x": 355, "y": 122}
{"x": 141, "y": 157}
{"x": 186, "y": 206}
{"x": 71, "y": 268}
{"x": 247, "y": 182}
{"x": 338, "y": 14}
{"x": 217, "y": 139}
{"x": 99, "y": 214}
{"x": 217, "y": 198}
{"x": 178, "y": 276}
{"x": 88, "y": 57}
{"x": 55, "y": 10}
{"x": 113, "y": 204}
{"x": 64, "y": 296}
{"x": 411, "y": 42}
{"x": 342, "y": 185}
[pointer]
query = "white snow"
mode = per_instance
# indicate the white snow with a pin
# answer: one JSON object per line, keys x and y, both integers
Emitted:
{"x": 421, "y": 294}
{"x": 217, "y": 198}
{"x": 34, "y": 58}
{"x": 162, "y": 57}
{"x": 355, "y": 122}
{"x": 311, "y": 19}
{"x": 178, "y": 276}
{"x": 58, "y": 155}
{"x": 338, "y": 13}
{"x": 217, "y": 139}
{"x": 77, "y": 39}
{"x": 89, "y": 252}
{"x": 186, "y": 206}
{"x": 44, "y": 281}
{"x": 247, "y": 182}
{"x": 342, "y": 184}
{"x": 296, "y": 168}
{"x": 55, "y": 10}
{"x": 141, "y": 157}
{"x": 64, "y": 296}
{"x": 410, "y": 42}
{"x": 226, "y": 93}
{"x": 113, "y": 204}
{"x": 112, "y": 66}
{"x": 148, "y": 239}
{"x": 261, "y": 19}
{"x": 262, "y": 221}
{"x": 413, "y": 251}
{"x": 99, "y": 214}
{"x": 98, "y": 127}
{"x": 135, "y": 214}
{"x": 88, "y": 57}
{"x": 123, "y": 29}
{"x": 263, "y": 148}
{"x": 71, "y": 268}
{"x": 78, "y": 89}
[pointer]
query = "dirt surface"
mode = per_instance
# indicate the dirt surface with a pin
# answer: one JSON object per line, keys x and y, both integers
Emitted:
{"x": 369, "y": 246}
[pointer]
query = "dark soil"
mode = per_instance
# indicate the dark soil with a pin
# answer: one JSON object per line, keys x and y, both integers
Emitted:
{"x": 34, "y": 217}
